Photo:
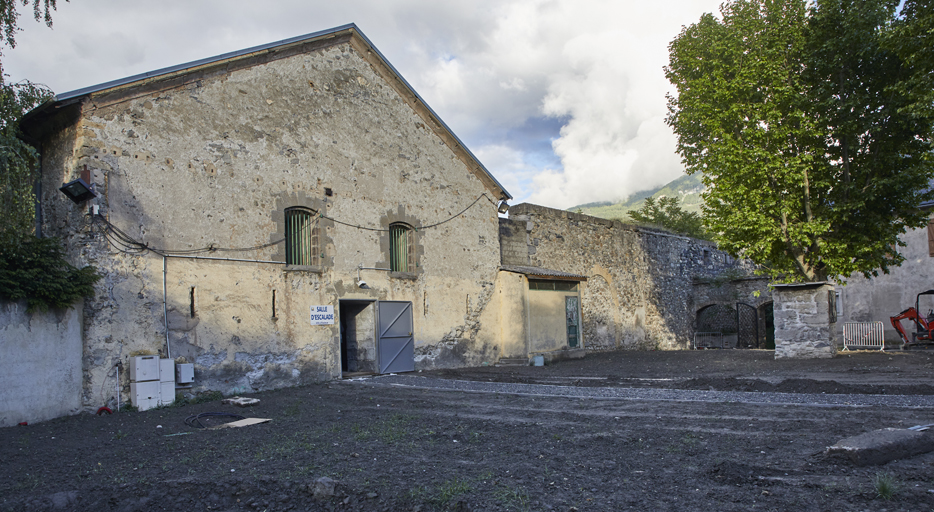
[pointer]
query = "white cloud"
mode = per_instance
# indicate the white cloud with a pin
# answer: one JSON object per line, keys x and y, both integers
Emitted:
{"x": 493, "y": 70}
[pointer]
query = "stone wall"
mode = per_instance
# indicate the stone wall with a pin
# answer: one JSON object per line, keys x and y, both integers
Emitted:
{"x": 200, "y": 164}
{"x": 513, "y": 242}
{"x": 803, "y": 326}
{"x": 40, "y": 364}
{"x": 640, "y": 291}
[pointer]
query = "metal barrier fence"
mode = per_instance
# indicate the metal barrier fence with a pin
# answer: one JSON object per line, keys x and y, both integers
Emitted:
{"x": 708, "y": 340}
{"x": 863, "y": 334}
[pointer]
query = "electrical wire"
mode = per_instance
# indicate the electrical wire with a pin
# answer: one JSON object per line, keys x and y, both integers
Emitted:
{"x": 125, "y": 243}
{"x": 195, "y": 419}
{"x": 416, "y": 229}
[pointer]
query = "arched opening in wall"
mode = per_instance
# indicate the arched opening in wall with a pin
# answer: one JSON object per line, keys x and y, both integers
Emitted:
{"x": 719, "y": 318}
{"x": 767, "y": 321}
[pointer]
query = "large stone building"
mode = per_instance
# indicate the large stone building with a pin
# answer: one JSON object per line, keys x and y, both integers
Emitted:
{"x": 238, "y": 195}
{"x": 293, "y": 212}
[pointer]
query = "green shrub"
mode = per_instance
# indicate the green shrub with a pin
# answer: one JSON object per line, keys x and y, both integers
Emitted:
{"x": 35, "y": 270}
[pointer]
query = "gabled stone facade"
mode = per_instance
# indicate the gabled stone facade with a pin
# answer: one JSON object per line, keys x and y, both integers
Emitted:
{"x": 198, "y": 165}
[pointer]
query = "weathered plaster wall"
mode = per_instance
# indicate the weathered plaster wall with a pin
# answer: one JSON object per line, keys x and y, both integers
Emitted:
{"x": 884, "y": 296}
{"x": 40, "y": 364}
{"x": 212, "y": 163}
{"x": 639, "y": 292}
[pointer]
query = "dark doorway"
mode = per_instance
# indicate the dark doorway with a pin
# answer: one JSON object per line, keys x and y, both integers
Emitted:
{"x": 768, "y": 320}
{"x": 358, "y": 336}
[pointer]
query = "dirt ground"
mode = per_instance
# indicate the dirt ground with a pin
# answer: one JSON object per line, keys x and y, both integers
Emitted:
{"x": 368, "y": 445}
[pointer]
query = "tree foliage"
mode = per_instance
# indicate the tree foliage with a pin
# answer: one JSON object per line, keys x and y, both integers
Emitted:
{"x": 9, "y": 16}
{"x": 667, "y": 213}
{"x": 18, "y": 160}
{"x": 809, "y": 131}
{"x": 35, "y": 270}
{"x": 31, "y": 268}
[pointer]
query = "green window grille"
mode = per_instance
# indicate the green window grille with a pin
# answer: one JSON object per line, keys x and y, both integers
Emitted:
{"x": 558, "y": 286}
{"x": 301, "y": 237}
{"x": 401, "y": 253}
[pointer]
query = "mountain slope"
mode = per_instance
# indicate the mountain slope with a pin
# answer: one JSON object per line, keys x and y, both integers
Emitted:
{"x": 686, "y": 188}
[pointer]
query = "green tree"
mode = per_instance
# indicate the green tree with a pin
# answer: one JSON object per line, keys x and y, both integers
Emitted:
{"x": 31, "y": 268}
{"x": 18, "y": 160}
{"x": 798, "y": 116}
{"x": 667, "y": 213}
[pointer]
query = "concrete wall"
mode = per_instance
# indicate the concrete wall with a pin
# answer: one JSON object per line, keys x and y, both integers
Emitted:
{"x": 214, "y": 162}
{"x": 40, "y": 364}
{"x": 884, "y": 296}
{"x": 639, "y": 292}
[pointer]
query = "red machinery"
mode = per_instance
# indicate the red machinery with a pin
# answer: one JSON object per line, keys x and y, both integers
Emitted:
{"x": 924, "y": 327}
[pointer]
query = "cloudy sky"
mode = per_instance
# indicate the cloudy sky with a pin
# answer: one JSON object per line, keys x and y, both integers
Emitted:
{"x": 562, "y": 100}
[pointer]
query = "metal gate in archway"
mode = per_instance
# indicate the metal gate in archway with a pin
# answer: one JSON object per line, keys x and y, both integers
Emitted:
{"x": 741, "y": 321}
{"x": 747, "y": 326}
{"x": 719, "y": 318}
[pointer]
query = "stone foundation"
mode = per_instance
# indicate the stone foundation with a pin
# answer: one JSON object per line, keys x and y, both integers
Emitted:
{"x": 804, "y": 321}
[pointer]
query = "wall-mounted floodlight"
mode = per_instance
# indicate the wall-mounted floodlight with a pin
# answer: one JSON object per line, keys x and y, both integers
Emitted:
{"x": 503, "y": 207}
{"x": 78, "y": 191}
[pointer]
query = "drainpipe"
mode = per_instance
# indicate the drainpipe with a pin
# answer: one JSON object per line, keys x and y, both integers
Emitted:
{"x": 165, "y": 311}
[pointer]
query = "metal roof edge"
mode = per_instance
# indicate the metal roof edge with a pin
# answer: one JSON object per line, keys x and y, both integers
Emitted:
{"x": 200, "y": 62}
{"x": 427, "y": 106}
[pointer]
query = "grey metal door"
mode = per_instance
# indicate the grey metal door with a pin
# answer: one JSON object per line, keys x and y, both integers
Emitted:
{"x": 396, "y": 344}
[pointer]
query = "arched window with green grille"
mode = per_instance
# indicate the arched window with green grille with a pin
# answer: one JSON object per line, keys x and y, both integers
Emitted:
{"x": 401, "y": 248}
{"x": 301, "y": 237}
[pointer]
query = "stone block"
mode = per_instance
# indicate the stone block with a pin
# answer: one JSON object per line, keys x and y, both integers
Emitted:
{"x": 881, "y": 446}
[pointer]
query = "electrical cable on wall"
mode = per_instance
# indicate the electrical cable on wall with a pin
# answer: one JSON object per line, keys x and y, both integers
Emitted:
{"x": 129, "y": 245}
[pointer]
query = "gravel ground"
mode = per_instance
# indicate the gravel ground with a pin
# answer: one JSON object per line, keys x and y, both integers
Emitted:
{"x": 655, "y": 394}
{"x": 712, "y": 430}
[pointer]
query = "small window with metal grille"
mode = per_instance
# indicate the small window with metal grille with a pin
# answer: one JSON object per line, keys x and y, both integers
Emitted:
{"x": 401, "y": 248}
{"x": 301, "y": 237}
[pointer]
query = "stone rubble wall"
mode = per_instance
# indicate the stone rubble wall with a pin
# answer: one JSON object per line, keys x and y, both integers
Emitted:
{"x": 640, "y": 291}
{"x": 803, "y": 329}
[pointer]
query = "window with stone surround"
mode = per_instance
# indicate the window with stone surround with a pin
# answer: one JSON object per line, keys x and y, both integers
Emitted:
{"x": 302, "y": 245}
{"x": 401, "y": 248}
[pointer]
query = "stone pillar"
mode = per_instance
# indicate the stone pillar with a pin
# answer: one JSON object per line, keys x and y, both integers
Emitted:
{"x": 804, "y": 320}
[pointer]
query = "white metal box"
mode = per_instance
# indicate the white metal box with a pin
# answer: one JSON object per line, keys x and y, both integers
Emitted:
{"x": 143, "y": 368}
{"x": 167, "y": 370}
{"x": 145, "y": 395}
{"x": 185, "y": 373}
{"x": 166, "y": 393}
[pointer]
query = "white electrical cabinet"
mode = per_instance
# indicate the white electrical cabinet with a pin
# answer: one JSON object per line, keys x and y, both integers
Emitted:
{"x": 145, "y": 395}
{"x": 152, "y": 382}
{"x": 166, "y": 392}
{"x": 185, "y": 373}
{"x": 143, "y": 368}
{"x": 167, "y": 370}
